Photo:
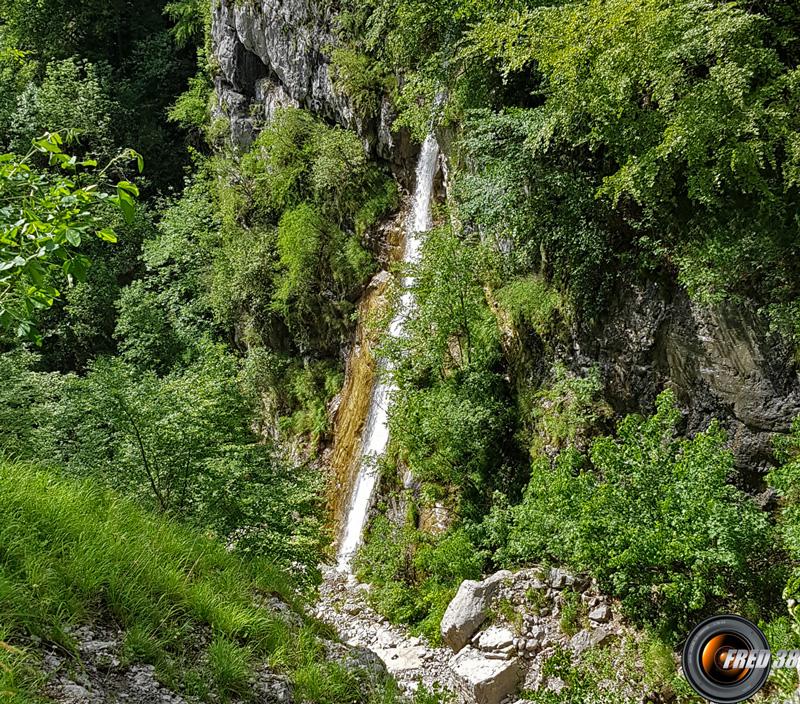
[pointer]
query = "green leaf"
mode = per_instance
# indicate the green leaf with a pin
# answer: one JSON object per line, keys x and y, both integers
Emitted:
{"x": 107, "y": 234}
{"x": 126, "y": 204}
{"x": 47, "y": 144}
{"x": 129, "y": 187}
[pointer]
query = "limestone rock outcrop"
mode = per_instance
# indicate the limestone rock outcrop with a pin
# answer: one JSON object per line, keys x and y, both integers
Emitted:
{"x": 483, "y": 680}
{"x": 469, "y": 608}
{"x": 276, "y": 53}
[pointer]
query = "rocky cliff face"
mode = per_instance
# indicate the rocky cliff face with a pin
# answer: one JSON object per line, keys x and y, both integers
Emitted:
{"x": 722, "y": 362}
{"x": 276, "y": 53}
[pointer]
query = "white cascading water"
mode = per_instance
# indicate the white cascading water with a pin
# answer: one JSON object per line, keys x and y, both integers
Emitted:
{"x": 376, "y": 432}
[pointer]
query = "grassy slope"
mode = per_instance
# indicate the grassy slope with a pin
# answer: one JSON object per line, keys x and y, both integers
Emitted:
{"x": 70, "y": 553}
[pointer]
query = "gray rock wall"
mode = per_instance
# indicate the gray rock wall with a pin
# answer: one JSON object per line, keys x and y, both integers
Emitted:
{"x": 275, "y": 53}
{"x": 722, "y": 362}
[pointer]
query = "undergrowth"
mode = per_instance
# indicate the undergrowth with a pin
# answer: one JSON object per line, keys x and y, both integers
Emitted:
{"x": 71, "y": 553}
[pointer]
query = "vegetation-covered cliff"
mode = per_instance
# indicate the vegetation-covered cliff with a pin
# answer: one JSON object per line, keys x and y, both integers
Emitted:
{"x": 201, "y": 207}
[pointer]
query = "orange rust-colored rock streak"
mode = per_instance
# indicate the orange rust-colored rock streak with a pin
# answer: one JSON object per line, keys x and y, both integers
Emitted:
{"x": 354, "y": 402}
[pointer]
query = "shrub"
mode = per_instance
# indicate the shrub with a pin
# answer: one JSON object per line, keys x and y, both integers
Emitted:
{"x": 191, "y": 110}
{"x": 564, "y": 412}
{"x": 293, "y": 218}
{"x": 415, "y": 575}
{"x": 785, "y": 479}
{"x": 359, "y": 78}
{"x": 294, "y": 395}
{"x": 164, "y": 315}
{"x": 652, "y": 516}
{"x": 73, "y": 96}
{"x": 532, "y": 304}
{"x": 450, "y": 421}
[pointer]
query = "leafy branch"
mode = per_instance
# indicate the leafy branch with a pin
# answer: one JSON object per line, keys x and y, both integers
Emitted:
{"x": 45, "y": 216}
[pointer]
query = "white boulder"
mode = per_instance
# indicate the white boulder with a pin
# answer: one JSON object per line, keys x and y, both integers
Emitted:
{"x": 468, "y": 609}
{"x": 600, "y": 614}
{"x": 478, "y": 679}
{"x": 495, "y": 638}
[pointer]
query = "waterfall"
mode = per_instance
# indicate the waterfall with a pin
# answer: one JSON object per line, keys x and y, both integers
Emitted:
{"x": 376, "y": 430}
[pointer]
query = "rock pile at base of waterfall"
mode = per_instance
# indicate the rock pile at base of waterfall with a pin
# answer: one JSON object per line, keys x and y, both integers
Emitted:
{"x": 502, "y": 630}
{"x": 344, "y": 604}
{"x": 520, "y": 626}
{"x": 469, "y": 608}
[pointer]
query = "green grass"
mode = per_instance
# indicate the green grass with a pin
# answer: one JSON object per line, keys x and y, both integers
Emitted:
{"x": 573, "y": 613}
{"x": 71, "y": 553}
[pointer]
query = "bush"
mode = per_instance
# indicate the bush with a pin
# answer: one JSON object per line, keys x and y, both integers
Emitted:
{"x": 532, "y": 304}
{"x": 564, "y": 412}
{"x": 786, "y": 480}
{"x": 294, "y": 395}
{"x": 192, "y": 110}
{"x": 293, "y": 218}
{"x": 415, "y": 575}
{"x": 318, "y": 266}
{"x": 652, "y": 516}
{"x": 163, "y": 316}
{"x": 181, "y": 443}
{"x": 360, "y": 79}
{"x": 450, "y": 421}
{"x": 73, "y": 96}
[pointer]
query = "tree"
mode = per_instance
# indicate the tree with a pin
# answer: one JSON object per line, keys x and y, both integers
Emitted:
{"x": 680, "y": 117}
{"x": 45, "y": 214}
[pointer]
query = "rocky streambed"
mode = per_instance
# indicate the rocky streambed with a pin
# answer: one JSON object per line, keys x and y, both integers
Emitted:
{"x": 497, "y": 636}
{"x": 343, "y": 603}
{"x": 498, "y": 633}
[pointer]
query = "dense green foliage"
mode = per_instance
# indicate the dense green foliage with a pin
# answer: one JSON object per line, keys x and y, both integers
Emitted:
{"x": 180, "y": 443}
{"x": 46, "y": 215}
{"x": 293, "y": 212}
{"x": 592, "y": 144}
{"x": 414, "y": 576}
{"x": 108, "y": 69}
{"x": 785, "y": 480}
{"x": 182, "y": 383}
{"x": 651, "y": 515}
{"x": 609, "y": 135}
{"x": 451, "y": 422}
{"x": 150, "y": 383}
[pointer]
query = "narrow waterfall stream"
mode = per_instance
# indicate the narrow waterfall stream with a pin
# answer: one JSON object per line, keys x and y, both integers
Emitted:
{"x": 376, "y": 429}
